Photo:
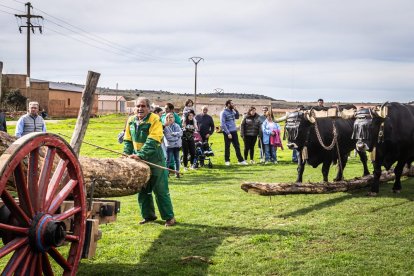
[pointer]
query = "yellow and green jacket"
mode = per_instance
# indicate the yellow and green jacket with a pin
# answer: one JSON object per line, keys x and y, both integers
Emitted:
{"x": 144, "y": 139}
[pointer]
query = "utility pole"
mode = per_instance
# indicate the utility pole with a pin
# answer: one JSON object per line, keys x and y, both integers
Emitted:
{"x": 196, "y": 60}
{"x": 30, "y": 27}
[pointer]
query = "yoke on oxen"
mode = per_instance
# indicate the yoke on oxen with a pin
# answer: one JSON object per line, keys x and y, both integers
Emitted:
{"x": 322, "y": 136}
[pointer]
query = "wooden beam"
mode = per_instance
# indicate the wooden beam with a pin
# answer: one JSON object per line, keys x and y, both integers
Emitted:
{"x": 88, "y": 96}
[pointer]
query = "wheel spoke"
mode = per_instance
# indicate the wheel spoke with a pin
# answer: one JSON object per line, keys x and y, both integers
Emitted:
{"x": 62, "y": 195}
{"x": 33, "y": 177}
{"x": 33, "y": 264}
{"x": 47, "y": 268}
{"x": 16, "y": 260}
{"x": 23, "y": 269}
{"x": 59, "y": 259}
{"x": 68, "y": 213}
{"x": 15, "y": 209}
{"x": 54, "y": 182}
{"x": 39, "y": 266}
{"x": 22, "y": 191}
{"x": 13, "y": 245}
{"x": 45, "y": 176}
{"x": 15, "y": 229}
{"x": 72, "y": 238}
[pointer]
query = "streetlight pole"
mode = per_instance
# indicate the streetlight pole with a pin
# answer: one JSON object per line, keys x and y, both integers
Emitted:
{"x": 196, "y": 60}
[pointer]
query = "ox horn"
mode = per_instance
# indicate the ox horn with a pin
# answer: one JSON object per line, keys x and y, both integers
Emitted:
{"x": 309, "y": 116}
{"x": 382, "y": 111}
{"x": 283, "y": 118}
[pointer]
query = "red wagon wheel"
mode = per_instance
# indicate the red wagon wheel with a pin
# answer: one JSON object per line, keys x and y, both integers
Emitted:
{"x": 36, "y": 239}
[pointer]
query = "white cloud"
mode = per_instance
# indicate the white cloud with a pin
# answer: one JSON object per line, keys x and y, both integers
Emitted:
{"x": 295, "y": 50}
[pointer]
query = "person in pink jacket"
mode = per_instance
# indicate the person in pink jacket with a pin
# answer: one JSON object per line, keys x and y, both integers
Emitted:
{"x": 270, "y": 129}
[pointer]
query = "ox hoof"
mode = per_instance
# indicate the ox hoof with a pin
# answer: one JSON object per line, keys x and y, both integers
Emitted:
{"x": 372, "y": 194}
{"x": 396, "y": 191}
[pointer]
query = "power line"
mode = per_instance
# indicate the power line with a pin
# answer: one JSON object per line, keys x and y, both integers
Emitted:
{"x": 100, "y": 39}
{"x": 10, "y": 8}
{"x": 94, "y": 40}
{"x": 6, "y": 12}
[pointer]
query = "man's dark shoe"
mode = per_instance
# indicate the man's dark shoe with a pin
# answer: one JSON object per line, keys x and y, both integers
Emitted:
{"x": 170, "y": 222}
{"x": 147, "y": 220}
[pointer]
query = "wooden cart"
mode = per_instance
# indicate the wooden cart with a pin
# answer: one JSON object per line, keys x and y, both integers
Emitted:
{"x": 45, "y": 224}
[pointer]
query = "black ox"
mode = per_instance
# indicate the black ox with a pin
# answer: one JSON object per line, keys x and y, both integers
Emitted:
{"x": 388, "y": 133}
{"x": 323, "y": 141}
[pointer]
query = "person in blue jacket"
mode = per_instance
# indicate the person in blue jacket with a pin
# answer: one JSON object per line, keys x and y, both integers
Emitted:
{"x": 228, "y": 125}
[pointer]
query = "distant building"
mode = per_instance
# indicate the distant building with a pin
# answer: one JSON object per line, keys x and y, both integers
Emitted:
{"x": 111, "y": 104}
{"x": 58, "y": 99}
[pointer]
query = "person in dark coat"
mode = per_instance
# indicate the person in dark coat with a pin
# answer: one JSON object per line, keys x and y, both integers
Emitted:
{"x": 188, "y": 144}
{"x": 249, "y": 130}
{"x": 205, "y": 124}
{"x": 3, "y": 125}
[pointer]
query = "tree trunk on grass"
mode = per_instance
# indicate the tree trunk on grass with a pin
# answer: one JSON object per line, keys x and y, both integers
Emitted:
{"x": 113, "y": 176}
{"x": 269, "y": 189}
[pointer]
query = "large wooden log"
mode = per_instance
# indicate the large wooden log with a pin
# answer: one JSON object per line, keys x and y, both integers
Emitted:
{"x": 112, "y": 176}
{"x": 269, "y": 189}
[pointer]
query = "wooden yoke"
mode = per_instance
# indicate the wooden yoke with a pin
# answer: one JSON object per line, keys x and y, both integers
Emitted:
{"x": 333, "y": 112}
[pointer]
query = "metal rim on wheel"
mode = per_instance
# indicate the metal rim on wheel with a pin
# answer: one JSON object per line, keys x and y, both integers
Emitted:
{"x": 46, "y": 172}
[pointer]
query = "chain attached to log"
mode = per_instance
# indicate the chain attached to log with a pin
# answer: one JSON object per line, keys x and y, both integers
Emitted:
{"x": 334, "y": 141}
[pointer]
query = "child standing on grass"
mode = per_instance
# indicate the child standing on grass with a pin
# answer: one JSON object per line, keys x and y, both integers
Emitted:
{"x": 172, "y": 141}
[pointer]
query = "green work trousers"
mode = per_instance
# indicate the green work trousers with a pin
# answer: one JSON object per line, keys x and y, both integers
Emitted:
{"x": 158, "y": 184}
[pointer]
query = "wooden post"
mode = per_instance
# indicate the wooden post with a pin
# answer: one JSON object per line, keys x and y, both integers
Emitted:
{"x": 88, "y": 95}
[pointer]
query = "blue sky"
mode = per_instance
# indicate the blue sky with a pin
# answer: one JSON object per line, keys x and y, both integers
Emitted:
{"x": 360, "y": 51}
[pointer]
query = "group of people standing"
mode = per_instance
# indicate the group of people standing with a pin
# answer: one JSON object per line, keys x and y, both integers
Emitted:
{"x": 182, "y": 132}
{"x": 253, "y": 128}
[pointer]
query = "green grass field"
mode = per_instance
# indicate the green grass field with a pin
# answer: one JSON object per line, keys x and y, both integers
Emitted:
{"x": 236, "y": 233}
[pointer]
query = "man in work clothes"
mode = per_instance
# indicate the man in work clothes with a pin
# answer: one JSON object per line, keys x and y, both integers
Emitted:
{"x": 31, "y": 122}
{"x": 142, "y": 139}
{"x": 228, "y": 124}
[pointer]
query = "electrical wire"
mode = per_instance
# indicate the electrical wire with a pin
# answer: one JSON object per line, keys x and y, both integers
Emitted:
{"x": 10, "y": 8}
{"x": 91, "y": 39}
{"x": 102, "y": 40}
